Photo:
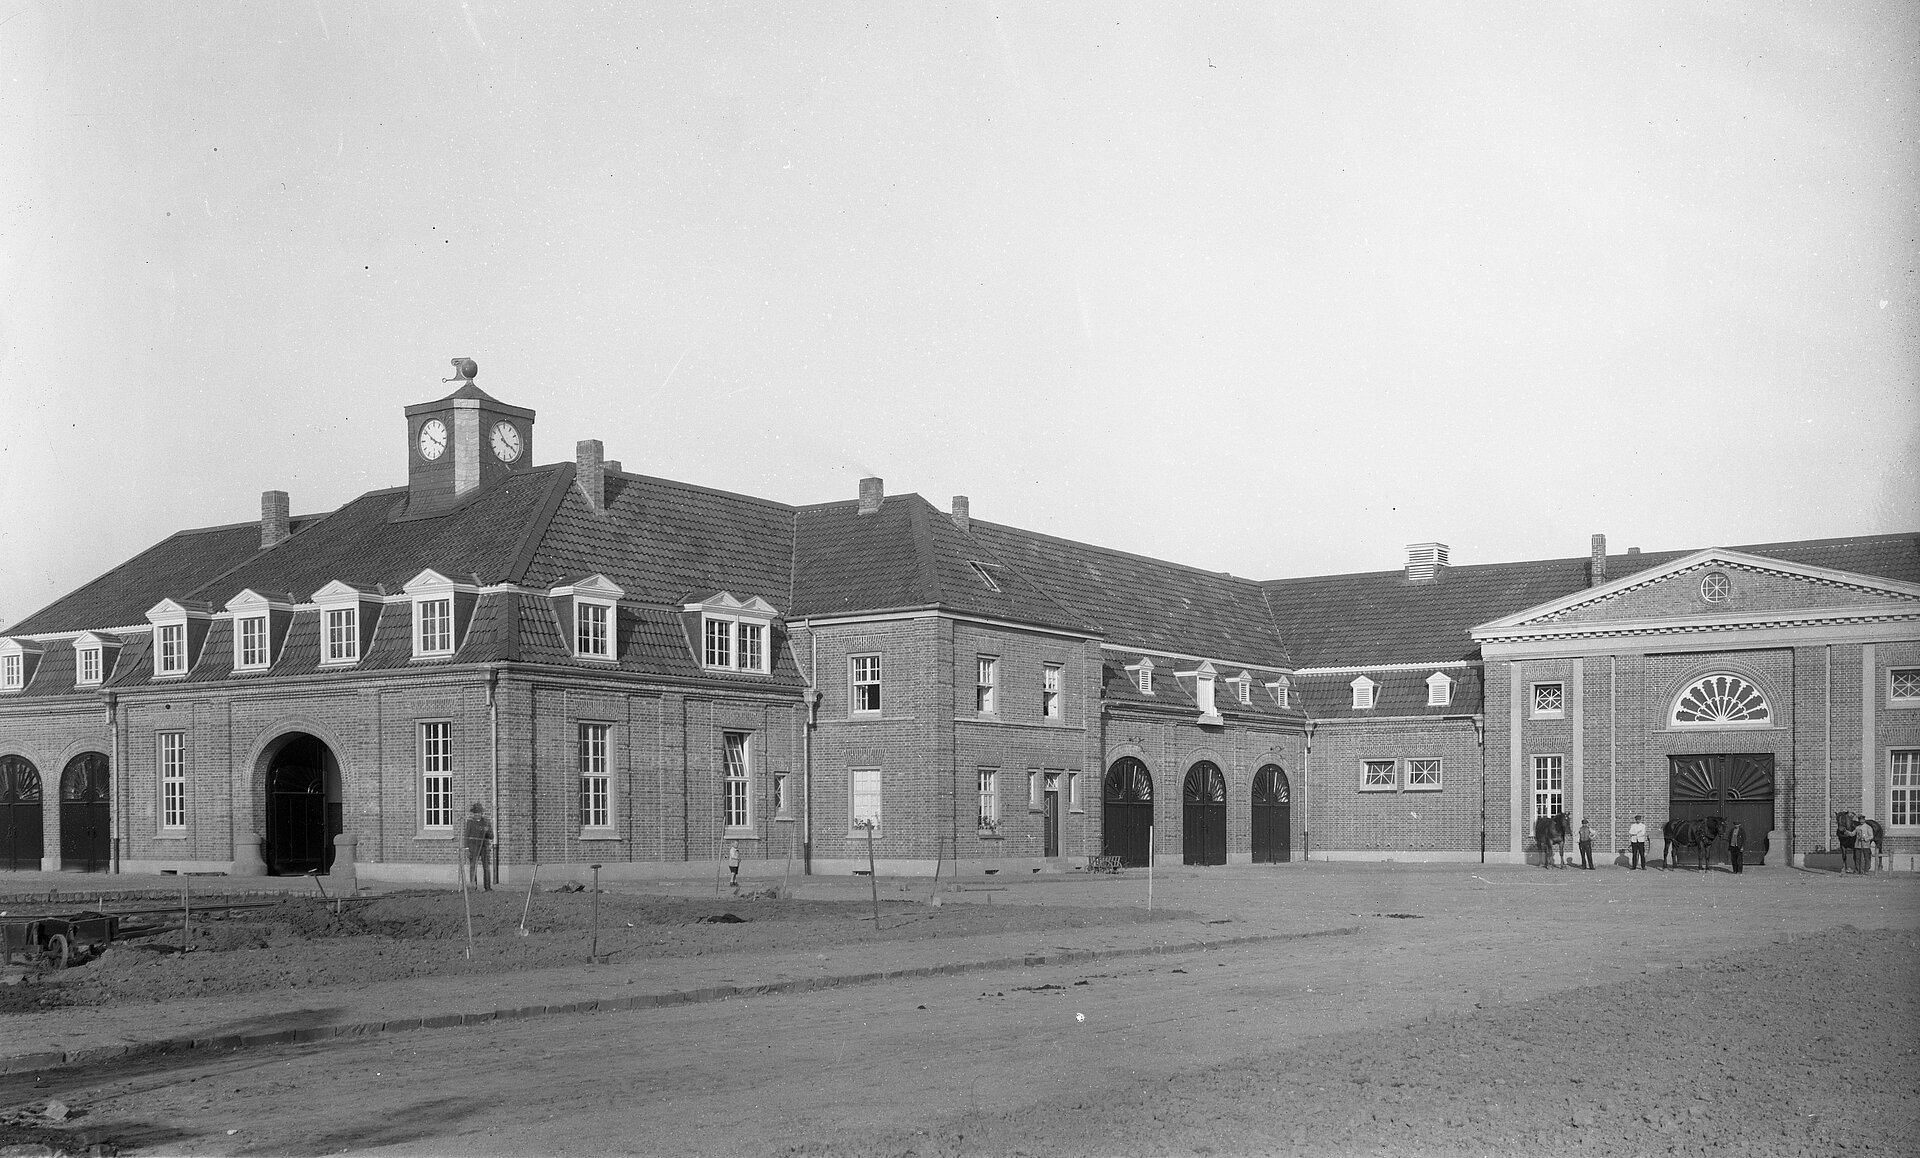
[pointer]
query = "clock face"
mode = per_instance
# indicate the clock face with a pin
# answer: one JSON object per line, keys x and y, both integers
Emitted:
{"x": 433, "y": 439}
{"x": 506, "y": 441}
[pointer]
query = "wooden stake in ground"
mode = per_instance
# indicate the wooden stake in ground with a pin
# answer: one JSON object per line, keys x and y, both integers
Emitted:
{"x": 872, "y": 876}
{"x": 792, "y": 837}
{"x": 1149, "y": 868}
{"x": 593, "y": 948}
{"x": 528, "y": 907}
{"x": 186, "y": 921}
{"x": 466, "y": 898}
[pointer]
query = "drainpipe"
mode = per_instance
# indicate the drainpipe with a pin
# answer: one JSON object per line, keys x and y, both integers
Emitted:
{"x": 119, "y": 788}
{"x": 806, "y": 773}
{"x": 493, "y": 749}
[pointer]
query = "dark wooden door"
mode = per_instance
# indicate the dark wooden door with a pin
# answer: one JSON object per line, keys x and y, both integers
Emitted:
{"x": 21, "y": 842}
{"x": 300, "y": 823}
{"x": 1272, "y": 816}
{"x": 1203, "y": 816}
{"x": 1051, "y": 842}
{"x": 1126, "y": 812}
{"x": 86, "y": 833}
{"x": 1738, "y": 786}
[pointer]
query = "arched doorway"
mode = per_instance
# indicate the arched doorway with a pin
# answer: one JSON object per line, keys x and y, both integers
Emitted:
{"x": 1738, "y": 786}
{"x": 1203, "y": 817}
{"x": 303, "y": 807}
{"x": 1272, "y": 816}
{"x": 86, "y": 833}
{"x": 1126, "y": 817}
{"x": 21, "y": 843}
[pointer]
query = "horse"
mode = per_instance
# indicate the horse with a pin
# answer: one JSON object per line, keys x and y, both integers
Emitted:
{"x": 1700, "y": 832}
{"x": 1550, "y": 832}
{"x": 1844, "y": 824}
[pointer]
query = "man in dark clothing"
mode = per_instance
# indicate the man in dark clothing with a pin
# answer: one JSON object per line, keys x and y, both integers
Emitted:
{"x": 479, "y": 838}
{"x": 1736, "y": 842}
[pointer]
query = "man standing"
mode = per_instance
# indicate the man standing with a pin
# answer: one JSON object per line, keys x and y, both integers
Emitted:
{"x": 1736, "y": 842}
{"x": 479, "y": 837}
{"x": 1637, "y": 843}
{"x": 1586, "y": 844}
{"x": 1863, "y": 847}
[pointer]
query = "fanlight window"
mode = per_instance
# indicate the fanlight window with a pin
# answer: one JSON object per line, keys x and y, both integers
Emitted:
{"x": 1721, "y": 699}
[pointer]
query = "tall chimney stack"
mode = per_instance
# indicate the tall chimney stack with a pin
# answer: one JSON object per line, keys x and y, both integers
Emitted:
{"x": 872, "y": 490}
{"x": 1597, "y": 562}
{"x": 1425, "y": 561}
{"x": 591, "y": 473}
{"x": 275, "y": 522}
{"x": 962, "y": 513}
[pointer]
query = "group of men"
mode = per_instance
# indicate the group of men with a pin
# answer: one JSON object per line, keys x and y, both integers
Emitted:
{"x": 1553, "y": 849}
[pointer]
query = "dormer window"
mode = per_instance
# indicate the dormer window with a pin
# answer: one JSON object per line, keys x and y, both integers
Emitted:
{"x": 178, "y": 631}
{"x": 258, "y": 623}
{"x": 1279, "y": 688}
{"x": 986, "y": 572}
{"x": 346, "y": 618}
{"x": 89, "y": 665}
{"x": 13, "y": 666}
{"x": 593, "y": 604}
{"x": 1203, "y": 680}
{"x": 250, "y": 642}
{"x": 1363, "y": 691}
{"x": 441, "y": 608}
{"x": 1143, "y": 676}
{"x": 1245, "y": 687}
{"x": 1439, "y": 690}
{"x": 734, "y": 633}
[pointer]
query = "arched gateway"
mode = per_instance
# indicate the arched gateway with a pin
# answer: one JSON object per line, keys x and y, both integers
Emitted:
{"x": 1126, "y": 820}
{"x": 1203, "y": 837}
{"x": 20, "y": 839}
{"x": 303, "y": 806}
{"x": 1272, "y": 816}
{"x": 86, "y": 816}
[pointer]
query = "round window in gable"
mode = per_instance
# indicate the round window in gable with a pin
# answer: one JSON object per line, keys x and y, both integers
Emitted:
{"x": 1715, "y": 587}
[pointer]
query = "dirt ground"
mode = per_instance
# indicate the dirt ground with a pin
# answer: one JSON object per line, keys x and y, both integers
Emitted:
{"x": 1474, "y": 1012}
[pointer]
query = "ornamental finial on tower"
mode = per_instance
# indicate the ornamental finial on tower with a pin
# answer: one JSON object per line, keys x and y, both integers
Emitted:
{"x": 463, "y": 370}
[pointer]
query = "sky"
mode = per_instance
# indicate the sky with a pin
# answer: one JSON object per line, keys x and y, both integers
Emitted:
{"x": 1266, "y": 288}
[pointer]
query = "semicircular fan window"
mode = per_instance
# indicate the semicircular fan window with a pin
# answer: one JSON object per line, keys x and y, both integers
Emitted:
{"x": 1722, "y": 699}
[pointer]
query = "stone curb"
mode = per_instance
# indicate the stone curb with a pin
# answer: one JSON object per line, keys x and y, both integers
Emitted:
{"x": 55, "y": 1059}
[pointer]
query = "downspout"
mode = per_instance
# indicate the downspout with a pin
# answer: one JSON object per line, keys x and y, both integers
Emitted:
{"x": 1613, "y": 754}
{"x": 119, "y": 788}
{"x": 806, "y": 773}
{"x": 1306, "y": 798}
{"x": 1826, "y": 807}
{"x": 493, "y": 751}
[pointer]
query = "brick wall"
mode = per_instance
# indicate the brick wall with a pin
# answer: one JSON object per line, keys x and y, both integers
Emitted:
{"x": 1350, "y": 822}
{"x": 49, "y": 733}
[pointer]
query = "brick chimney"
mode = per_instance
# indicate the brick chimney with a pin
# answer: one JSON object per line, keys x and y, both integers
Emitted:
{"x": 962, "y": 513}
{"x": 1597, "y": 562}
{"x": 275, "y": 522}
{"x": 590, "y": 472}
{"x": 872, "y": 490}
{"x": 613, "y": 466}
{"x": 1425, "y": 562}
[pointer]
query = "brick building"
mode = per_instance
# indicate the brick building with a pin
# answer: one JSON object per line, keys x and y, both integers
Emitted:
{"x": 639, "y": 673}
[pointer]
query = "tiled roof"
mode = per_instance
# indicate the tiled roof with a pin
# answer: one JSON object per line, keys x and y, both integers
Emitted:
{"x": 1329, "y": 696}
{"x": 1378, "y": 617}
{"x": 173, "y": 567}
{"x": 1121, "y": 687}
{"x": 1147, "y": 603}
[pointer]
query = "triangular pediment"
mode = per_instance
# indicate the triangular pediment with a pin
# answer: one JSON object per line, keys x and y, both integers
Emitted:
{"x": 1711, "y": 589}
{"x": 725, "y": 601}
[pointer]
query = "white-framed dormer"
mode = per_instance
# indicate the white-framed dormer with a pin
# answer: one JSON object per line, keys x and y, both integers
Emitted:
{"x": 733, "y": 634}
{"x": 440, "y": 611}
{"x": 1279, "y": 686}
{"x": 1203, "y": 678}
{"x": 18, "y": 662}
{"x": 348, "y": 615}
{"x": 1243, "y": 687}
{"x": 589, "y": 612}
{"x": 1439, "y": 690}
{"x": 179, "y": 629}
{"x": 1365, "y": 692}
{"x": 1142, "y": 674}
{"x": 259, "y": 627}
{"x": 93, "y": 658}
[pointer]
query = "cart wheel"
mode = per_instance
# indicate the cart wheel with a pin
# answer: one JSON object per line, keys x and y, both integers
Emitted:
{"x": 59, "y": 951}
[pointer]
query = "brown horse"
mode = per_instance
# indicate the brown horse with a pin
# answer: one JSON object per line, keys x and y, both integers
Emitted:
{"x": 1549, "y": 835}
{"x": 1699, "y": 833}
{"x": 1844, "y": 825}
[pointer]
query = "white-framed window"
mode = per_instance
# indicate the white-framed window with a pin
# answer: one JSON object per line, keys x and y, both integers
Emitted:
{"x": 863, "y": 676}
{"x": 89, "y": 665}
{"x": 782, "y": 805}
{"x": 433, "y": 626}
{"x": 864, "y": 799}
{"x": 1549, "y": 701}
{"x": 170, "y": 649}
{"x": 436, "y": 775}
{"x": 1143, "y": 676}
{"x": 1439, "y": 690}
{"x": 13, "y": 671}
{"x": 735, "y": 634}
{"x": 1549, "y": 785}
{"x": 340, "y": 635}
{"x": 1721, "y": 700}
{"x": 250, "y": 642}
{"x": 737, "y": 758}
{"x": 1903, "y": 787}
{"x": 172, "y": 749}
{"x": 1279, "y": 687}
{"x": 1363, "y": 689}
{"x": 1073, "y": 793}
{"x": 1050, "y": 691}
{"x": 1034, "y": 783}
{"x": 1903, "y": 687}
{"x": 1379, "y": 775}
{"x": 1715, "y": 587}
{"x": 985, "y": 682}
{"x": 752, "y": 650}
{"x": 719, "y": 637}
{"x": 1423, "y": 774}
{"x": 1245, "y": 687}
{"x": 596, "y": 777}
{"x": 592, "y": 629}
{"x": 989, "y": 799}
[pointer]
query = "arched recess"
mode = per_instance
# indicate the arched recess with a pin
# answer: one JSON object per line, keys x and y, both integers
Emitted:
{"x": 1203, "y": 815}
{"x": 22, "y": 839}
{"x": 1720, "y": 698}
{"x": 86, "y": 814}
{"x": 1126, "y": 811}
{"x": 303, "y": 804}
{"x": 1272, "y": 815}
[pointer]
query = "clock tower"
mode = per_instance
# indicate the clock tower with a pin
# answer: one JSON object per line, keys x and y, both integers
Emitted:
{"x": 463, "y": 442}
